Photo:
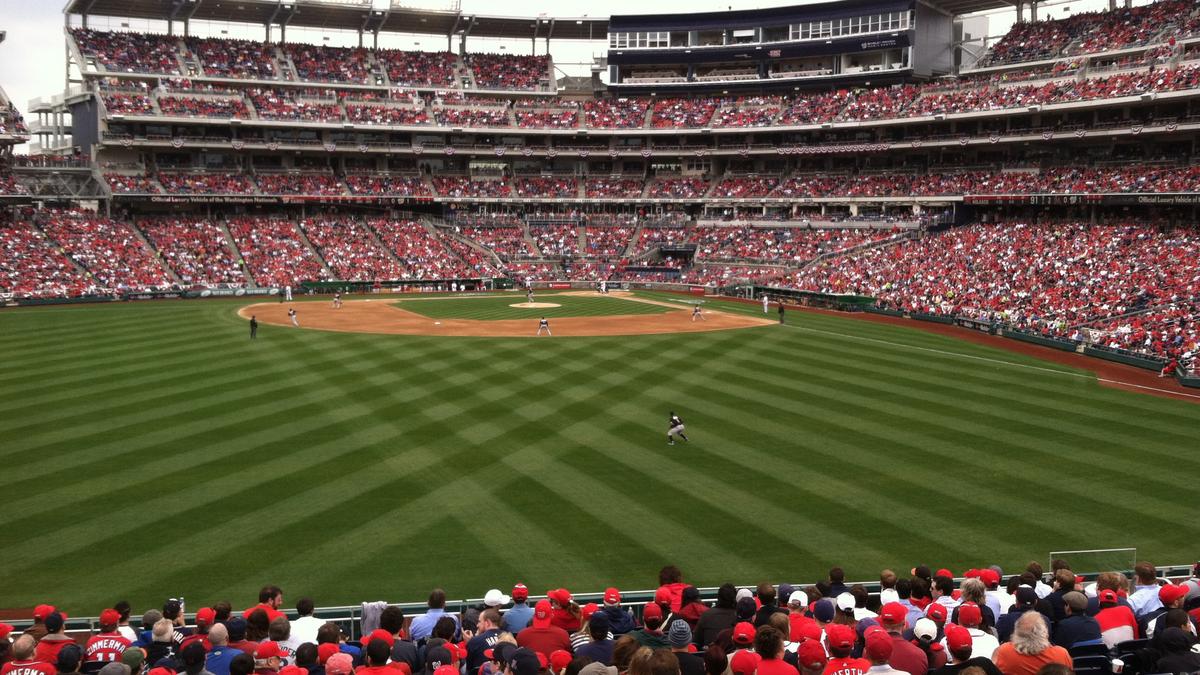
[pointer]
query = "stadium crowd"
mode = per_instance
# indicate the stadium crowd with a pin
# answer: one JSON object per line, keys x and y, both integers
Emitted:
{"x": 351, "y": 249}
{"x": 111, "y": 252}
{"x": 274, "y": 252}
{"x": 195, "y": 249}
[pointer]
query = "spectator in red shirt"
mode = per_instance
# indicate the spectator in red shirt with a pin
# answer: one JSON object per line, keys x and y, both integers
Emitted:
{"x": 56, "y": 638}
{"x": 905, "y": 655}
{"x": 108, "y": 645}
{"x": 768, "y": 644}
{"x": 270, "y": 599}
{"x": 541, "y": 636}
{"x": 23, "y": 661}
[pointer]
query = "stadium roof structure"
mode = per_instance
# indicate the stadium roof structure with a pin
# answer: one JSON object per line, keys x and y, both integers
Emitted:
{"x": 356, "y": 15}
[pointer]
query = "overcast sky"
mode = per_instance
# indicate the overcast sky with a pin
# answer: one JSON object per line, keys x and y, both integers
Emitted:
{"x": 32, "y": 59}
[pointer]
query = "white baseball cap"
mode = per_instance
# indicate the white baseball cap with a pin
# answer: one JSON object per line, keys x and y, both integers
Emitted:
{"x": 494, "y": 598}
{"x": 799, "y": 597}
{"x": 888, "y": 595}
{"x": 845, "y": 602}
{"x": 925, "y": 629}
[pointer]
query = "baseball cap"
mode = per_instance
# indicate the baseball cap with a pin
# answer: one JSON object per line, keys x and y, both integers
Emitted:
{"x": 888, "y": 595}
{"x": 839, "y": 636}
{"x": 990, "y": 577}
{"x": 612, "y": 596}
{"x": 893, "y": 613}
{"x": 798, "y": 597}
{"x": 652, "y": 611}
{"x": 925, "y": 629}
{"x": 600, "y": 621}
{"x": 502, "y": 652}
{"x": 559, "y": 660}
{"x": 1026, "y": 596}
{"x": 1167, "y": 594}
{"x": 662, "y": 594}
{"x": 42, "y": 611}
{"x": 823, "y": 610}
{"x": 494, "y": 598}
{"x": 811, "y": 655}
{"x": 437, "y": 656}
{"x": 267, "y": 650}
{"x": 745, "y": 608}
{"x": 970, "y": 615}
{"x": 845, "y": 602}
{"x": 1107, "y": 597}
{"x": 589, "y": 610}
{"x": 339, "y": 664}
{"x": 524, "y": 662}
{"x": 54, "y": 622}
{"x": 134, "y": 657}
{"x": 560, "y": 595}
{"x": 379, "y": 634}
{"x": 806, "y": 630}
{"x": 958, "y": 638}
{"x": 1076, "y": 601}
{"x": 744, "y": 662}
{"x": 936, "y": 612}
{"x": 541, "y": 614}
{"x": 944, "y": 573}
{"x": 743, "y": 633}
{"x": 5, "y": 630}
{"x": 520, "y": 592}
{"x": 326, "y": 650}
{"x": 109, "y": 617}
{"x": 205, "y": 616}
{"x": 879, "y": 647}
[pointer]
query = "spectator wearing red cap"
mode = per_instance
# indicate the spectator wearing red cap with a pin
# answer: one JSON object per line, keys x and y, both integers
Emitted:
{"x": 671, "y": 577}
{"x": 518, "y": 617}
{"x": 905, "y": 655}
{"x": 974, "y": 591}
{"x": 720, "y": 617}
{"x": 651, "y": 634}
{"x": 840, "y": 638}
{"x": 1030, "y": 648}
{"x": 268, "y": 658}
{"x": 970, "y": 619}
{"x": 55, "y": 639}
{"x": 811, "y": 657}
{"x": 107, "y": 645}
{"x": 566, "y": 613}
{"x": 38, "y": 630}
{"x": 422, "y": 626}
{"x": 486, "y": 636}
{"x": 542, "y": 636}
{"x": 998, "y": 599}
{"x": 205, "y": 616}
{"x": 1171, "y": 596}
{"x": 1117, "y": 622}
{"x": 768, "y": 644}
{"x": 743, "y": 662}
{"x": 221, "y": 654}
{"x": 23, "y": 661}
{"x": 878, "y": 650}
{"x": 6, "y": 630}
{"x": 1076, "y": 626}
{"x": 964, "y": 653}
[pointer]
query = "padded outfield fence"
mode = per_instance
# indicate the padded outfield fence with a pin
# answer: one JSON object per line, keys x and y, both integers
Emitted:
{"x": 349, "y": 617}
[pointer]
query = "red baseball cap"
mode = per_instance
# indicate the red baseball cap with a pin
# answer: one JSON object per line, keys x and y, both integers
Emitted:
{"x": 42, "y": 611}
{"x": 990, "y": 577}
{"x": 969, "y": 614}
{"x": 873, "y": 629}
{"x": 958, "y": 638}
{"x": 972, "y": 574}
{"x": 663, "y": 595}
{"x": 560, "y": 595}
{"x": 806, "y": 630}
{"x": 744, "y": 662}
{"x": 811, "y": 655}
{"x": 109, "y": 617}
{"x": 936, "y": 612}
{"x": 652, "y": 611}
{"x": 541, "y": 614}
{"x": 520, "y": 592}
{"x": 380, "y": 634}
{"x": 1107, "y": 596}
{"x": 205, "y": 616}
{"x": 879, "y": 647}
{"x": 5, "y": 630}
{"x": 1170, "y": 593}
{"x": 944, "y": 573}
{"x": 326, "y": 650}
{"x": 588, "y": 610}
{"x": 268, "y": 650}
{"x": 893, "y": 613}
{"x": 560, "y": 659}
{"x": 611, "y": 596}
{"x": 839, "y": 635}
{"x": 743, "y": 633}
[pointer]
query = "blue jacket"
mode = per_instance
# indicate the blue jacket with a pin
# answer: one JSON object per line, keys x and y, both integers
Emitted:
{"x": 1076, "y": 628}
{"x": 218, "y": 659}
{"x": 620, "y": 621}
{"x": 517, "y": 619}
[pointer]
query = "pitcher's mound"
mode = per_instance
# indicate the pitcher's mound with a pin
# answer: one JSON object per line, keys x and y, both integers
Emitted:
{"x": 534, "y": 305}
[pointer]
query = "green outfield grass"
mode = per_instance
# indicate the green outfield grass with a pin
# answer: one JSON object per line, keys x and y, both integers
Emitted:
{"x": 152, "y": 450}
{"x": 491, "y": 308}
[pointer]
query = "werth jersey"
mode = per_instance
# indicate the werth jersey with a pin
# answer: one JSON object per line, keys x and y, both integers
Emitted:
{"x": 105, "y": 648}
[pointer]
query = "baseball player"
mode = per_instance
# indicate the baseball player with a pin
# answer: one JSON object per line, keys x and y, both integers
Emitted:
{"x": 337, "y": 300}
{"x": 675, "y": 428}
{"x": 603, "y": 287}
{"x": 544, "y": 325}
{"x": 765, "y": 301}
{"x": 697, "y": 315}
{"x": 529, "y": 296}
{"x": 287, "y": 293}
{"x": 253, "y": 327}
{"x": 293, "y": 317}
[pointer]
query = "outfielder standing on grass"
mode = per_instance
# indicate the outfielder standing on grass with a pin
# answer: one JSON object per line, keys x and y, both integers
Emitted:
{"x": 544, "y": 325}
{"x": 253, "y": 327}
{"x": 780, "y": 312}
{"x": 675, "y": 428}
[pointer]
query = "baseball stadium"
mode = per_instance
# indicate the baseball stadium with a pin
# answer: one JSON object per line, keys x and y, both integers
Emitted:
{"x": 836, "y": 338}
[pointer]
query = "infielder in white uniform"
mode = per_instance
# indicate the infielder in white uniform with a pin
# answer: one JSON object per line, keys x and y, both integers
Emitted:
{"x": 544, "y": 325}
{"x": 603, "y": 286}
{"x": 293, "y": 317}
{"x": 287, "y": 293}
{"x": 337, "y": 300}
{"x": 674, "y": 429}
{"x": 764, "y": 299}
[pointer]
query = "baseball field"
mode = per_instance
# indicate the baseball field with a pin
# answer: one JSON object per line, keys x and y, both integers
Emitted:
{"x": 154, "y": 450}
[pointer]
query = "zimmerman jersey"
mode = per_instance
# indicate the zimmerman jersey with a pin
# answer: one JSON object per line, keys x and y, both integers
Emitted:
{"x": 105, "y": 648}
{"x": 28, "y": 668}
